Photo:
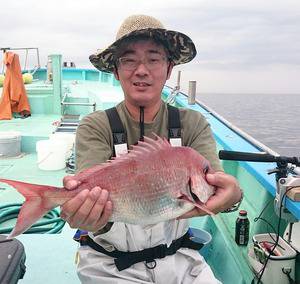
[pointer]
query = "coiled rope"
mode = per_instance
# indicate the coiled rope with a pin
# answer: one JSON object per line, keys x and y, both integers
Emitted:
{"x": 11, "y": 211}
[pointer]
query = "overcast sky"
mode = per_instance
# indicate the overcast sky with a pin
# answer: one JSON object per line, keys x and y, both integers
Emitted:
{"x": 243, "y": 46}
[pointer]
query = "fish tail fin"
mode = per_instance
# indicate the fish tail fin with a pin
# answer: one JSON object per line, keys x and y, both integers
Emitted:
{"x": 30, "y": 212}
{"x": 35, "y": 206}
{"x": 28, "y": 190}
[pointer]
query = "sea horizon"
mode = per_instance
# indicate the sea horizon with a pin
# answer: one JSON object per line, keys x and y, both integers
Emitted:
{"x": 272, "y": 119}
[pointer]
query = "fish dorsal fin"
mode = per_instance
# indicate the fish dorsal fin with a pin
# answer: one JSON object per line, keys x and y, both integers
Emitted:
{"x": 144, "y": 148}
{"x": 143, "y": 151}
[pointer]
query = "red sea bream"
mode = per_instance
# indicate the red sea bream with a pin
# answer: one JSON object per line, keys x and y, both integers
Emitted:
{"x": 154, "y": 182}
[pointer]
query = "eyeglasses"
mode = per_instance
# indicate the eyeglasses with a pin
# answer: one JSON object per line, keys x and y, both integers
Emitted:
{"x": 151, "y": 62}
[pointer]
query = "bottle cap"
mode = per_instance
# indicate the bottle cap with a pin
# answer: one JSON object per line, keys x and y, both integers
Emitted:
{"x": 243, "y": 213}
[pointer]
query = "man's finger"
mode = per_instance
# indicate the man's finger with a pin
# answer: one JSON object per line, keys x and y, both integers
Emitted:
{"x": 216, "y": 202}
{"x": 83, "y": 212}
{"x": 96, "y": 212}
{"x": 220, "y": 179}
{"x": 107, "y": 211}
{"x": 70, "y": 183}
{"x": 74, "y": 204}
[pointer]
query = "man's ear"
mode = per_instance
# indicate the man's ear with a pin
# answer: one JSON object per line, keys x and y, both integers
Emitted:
{"x": 116, "y": 74}
{"x": 169, "y": 71}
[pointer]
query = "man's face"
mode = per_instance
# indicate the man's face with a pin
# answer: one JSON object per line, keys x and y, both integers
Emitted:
{"x": 143, "y": 69}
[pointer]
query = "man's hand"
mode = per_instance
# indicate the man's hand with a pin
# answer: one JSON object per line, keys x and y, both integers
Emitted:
{"x": 227, "y": 194}
{"x": 89, "y": 210}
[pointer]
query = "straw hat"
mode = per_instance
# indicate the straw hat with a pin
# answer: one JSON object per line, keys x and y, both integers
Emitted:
{"x": 181, "y": 48}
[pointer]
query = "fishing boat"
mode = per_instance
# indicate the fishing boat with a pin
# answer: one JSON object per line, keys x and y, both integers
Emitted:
{"x": 59, "y": 96}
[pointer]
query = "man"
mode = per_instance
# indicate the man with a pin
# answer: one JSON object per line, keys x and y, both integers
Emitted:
{"x": 142, "y": 59}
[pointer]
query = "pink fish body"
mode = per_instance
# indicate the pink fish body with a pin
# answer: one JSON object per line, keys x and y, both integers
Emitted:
{"x": 154, "y": 182}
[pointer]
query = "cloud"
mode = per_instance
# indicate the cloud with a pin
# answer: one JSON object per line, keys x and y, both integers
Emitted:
{"x": 230, "y": 36}
{"x": 237, "y": 37}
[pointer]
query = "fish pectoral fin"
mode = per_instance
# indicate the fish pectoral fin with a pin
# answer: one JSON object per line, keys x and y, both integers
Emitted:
{"x": 197, "y": 204}
{"x": 184, "y": 197}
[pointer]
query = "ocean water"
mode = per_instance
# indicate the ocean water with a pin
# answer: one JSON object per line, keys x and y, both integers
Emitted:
{"x": 272, "y": 119}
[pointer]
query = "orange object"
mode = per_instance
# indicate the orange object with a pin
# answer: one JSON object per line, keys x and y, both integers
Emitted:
{"x": 14, "y": 98}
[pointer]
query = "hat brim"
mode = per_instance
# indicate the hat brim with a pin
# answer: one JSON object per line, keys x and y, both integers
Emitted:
{"x": 181, "y": 48}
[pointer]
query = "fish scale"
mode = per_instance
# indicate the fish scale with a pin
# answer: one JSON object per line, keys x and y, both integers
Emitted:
{"x": 154, "y": 182}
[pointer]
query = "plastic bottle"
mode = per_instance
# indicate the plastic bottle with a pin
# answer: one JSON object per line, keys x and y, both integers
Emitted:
{"x": 242, "y": 228}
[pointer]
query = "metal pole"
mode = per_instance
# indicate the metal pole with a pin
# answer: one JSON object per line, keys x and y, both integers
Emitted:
{"x": 26, "y": 56}
{"x": 192, "y": 92}
{"x": 178, "y": 80}
{"x": 2, "y": 61}
{"x": 38, "y": 57}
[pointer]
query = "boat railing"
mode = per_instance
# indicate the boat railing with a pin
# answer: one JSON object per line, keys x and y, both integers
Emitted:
{"x": 65, "y": 103}
{"x": 174, "y": 91}
{"x": 172, "y": 96}
{"x": 26, "y": 49}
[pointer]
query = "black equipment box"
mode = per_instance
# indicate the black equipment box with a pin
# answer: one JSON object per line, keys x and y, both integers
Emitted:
{"x": 12, "y": 260}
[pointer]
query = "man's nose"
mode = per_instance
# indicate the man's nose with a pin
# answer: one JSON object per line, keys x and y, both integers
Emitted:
{"x": 142, "y": 69}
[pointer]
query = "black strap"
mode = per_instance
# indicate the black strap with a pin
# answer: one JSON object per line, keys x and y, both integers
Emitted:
{"x": 174, "y": 124}
{"x": 124, "y": 260}
{"x": 142, "y": 123}
{"x": 117, "y": 128}
{"x": 119, "y": 136}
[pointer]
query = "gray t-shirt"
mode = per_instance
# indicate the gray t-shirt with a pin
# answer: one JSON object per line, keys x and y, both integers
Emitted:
{"x": 94, "y": 141}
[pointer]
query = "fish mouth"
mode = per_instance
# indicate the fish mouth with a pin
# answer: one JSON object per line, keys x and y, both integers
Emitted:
{"x": 193, "y": 196}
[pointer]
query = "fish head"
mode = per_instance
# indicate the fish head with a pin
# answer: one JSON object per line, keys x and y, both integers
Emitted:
{"x": 198, "y": 189}
{"x": 195, "y": 194}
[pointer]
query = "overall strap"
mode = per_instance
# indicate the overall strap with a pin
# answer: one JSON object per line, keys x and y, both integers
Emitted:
{"x": 174, "y": 126}
{"x": 118, "y": 131}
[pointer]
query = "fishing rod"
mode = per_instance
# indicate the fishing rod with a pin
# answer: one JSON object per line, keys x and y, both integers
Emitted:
{"x": 258, "y": 157}
{"x": 287, "y": 174}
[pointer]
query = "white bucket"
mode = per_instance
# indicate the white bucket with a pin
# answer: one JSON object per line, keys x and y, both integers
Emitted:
{"x": 68, "y": 138}
{"x": 51, "y": 154}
